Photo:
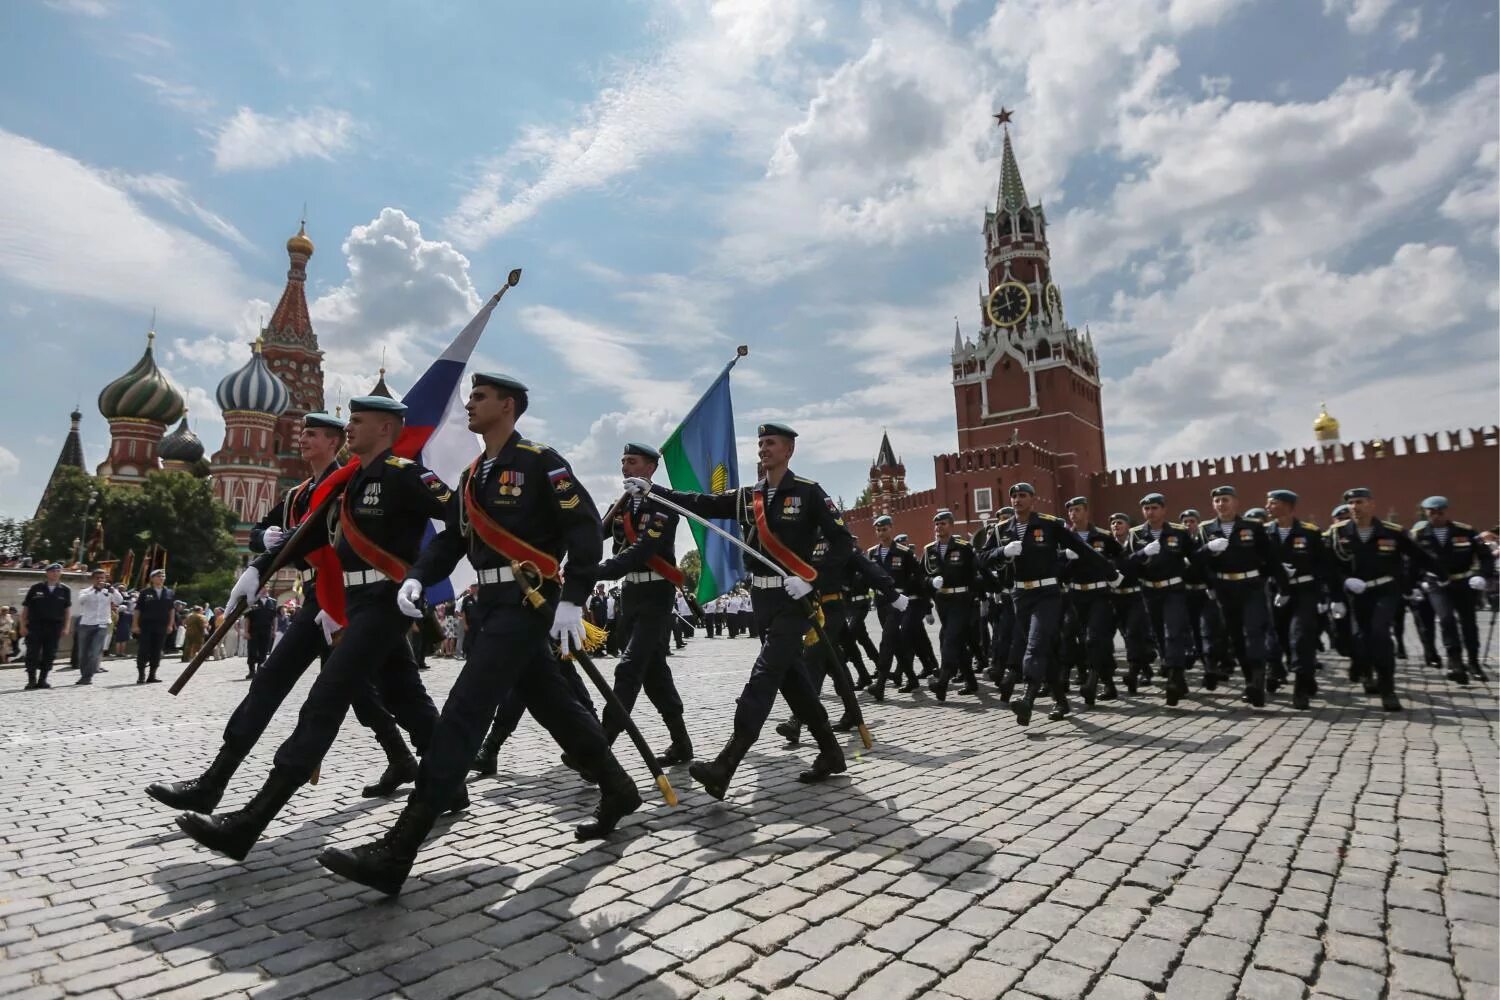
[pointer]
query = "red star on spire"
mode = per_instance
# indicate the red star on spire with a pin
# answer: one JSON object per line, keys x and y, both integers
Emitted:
{"x": 1003, "y": 116}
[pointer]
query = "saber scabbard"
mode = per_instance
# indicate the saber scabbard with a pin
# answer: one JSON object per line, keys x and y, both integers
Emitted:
{"x": 839, "y": 674}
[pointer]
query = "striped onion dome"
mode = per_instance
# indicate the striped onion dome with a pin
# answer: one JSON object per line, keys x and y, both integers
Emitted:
{"x": 143, "y": 393}
{"x": 182, "y": 445}
{"x": 254, "y": 387}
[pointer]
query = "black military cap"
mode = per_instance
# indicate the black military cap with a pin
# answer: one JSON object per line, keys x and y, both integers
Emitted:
{"x": 376, "y": 404}
{"x": 1076, "y": 502}
{"x": 1006, "y": 511}
{"x": 643, "y": 450}
{"x": 1358, "y": 493}
{"x": 499, "y": 381}
{"x": 1190, "y": 512}
{"x": 1222, "y": 491}
{"x": 1022, "y": 488}
{"x": 323, "y": 420}
{"x": 775, "y": 430}
{"x": 1151, "y": 498}
{"x": 942, "y": 515}
{"x": 901, "y": 537}
{"x": 1285, "y": 496}
{"x": 1435, "y": 503}
{"x": 52, "y": 566}
{"x": 1256, "y": 514}
{"x": 883, "y": 519}
{"x": 1339, "y": 511}
{"x": 1119, "y": 517}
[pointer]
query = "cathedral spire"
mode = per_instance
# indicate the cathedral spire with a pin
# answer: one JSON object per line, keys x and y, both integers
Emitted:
{"x": 71, "y": 457}
{"x": 887, "y": 455}
{"x": 958, "y": 338}
{"x": 290, "y": 323}
{"x": 1012, "y": 196}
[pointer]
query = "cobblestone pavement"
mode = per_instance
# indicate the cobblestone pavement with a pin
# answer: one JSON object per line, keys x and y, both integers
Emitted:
{"x": 1134, "y": 850}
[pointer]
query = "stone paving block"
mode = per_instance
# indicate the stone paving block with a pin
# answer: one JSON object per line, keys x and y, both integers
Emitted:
{"x": 1147, "y": 959}
{"x": 1190, "y": 983}
{"x": 1264, "y": 984}
{"x": 899, "y": 981}
{"x": 696, "y": 937}
{"x": 776, "y": 970}
{"x": 769, "y": 935}
{"x": 978, "y": 979}
{"x": 900, "y": 934}
{"x": 1423, "y": 975}
{"x": 1296, "y": 956}
{"x": 839, "y": 973}
{"x": 1349, "y": 982}
{"x": 718, "y": 964}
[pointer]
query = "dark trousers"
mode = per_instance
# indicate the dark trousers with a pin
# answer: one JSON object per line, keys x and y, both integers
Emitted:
{"x": 894, "y": 650}
{"x": 1168, "y": 609}
{"x": 914, "y": 628}
{"x": 41, "y": 648}
{"x": 374, "y": 637}
{"x": 849, "y": 642}
{"x": 1002, "y": 630}
{"x": 1301, "y": 613}
{"x": 779, "y": 667}
{"x": 1453, "y": 604}
{"x": 645, "y": 616}
{"x": 1094, "y": 617}
{"x": 1135, "y": 628}
{"x": 858, "y": 633}
{"x": 820, "y": 662}
{"x": 510, "y": 710}
{"x": 956, "y": 613}
{"x": 1373, "y": 614}
{"x": 1426, "y": 622}
{"x": 1210, "y": 635}
{"x": 1038, "y": 616}
{"x": 259, "y": 647}
{"x": 1242, "y": 606}
{"x": 153, "y": 639}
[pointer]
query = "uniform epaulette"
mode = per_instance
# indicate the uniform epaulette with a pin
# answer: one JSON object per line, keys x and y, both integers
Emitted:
{"x": 1310, "y": 526}
{"x": 1174, "y": 524}
{"x": 810, "y": 482}
{"x": 955, "y": 540}
{"x": 1049, "y": 517}
{"x": 1393, "y": 524}
{"x": 531, "y": 446}
{"x": 1462, "y": 526}
{"x": 397, "y": 461}
{"x": 1336, "y": 525}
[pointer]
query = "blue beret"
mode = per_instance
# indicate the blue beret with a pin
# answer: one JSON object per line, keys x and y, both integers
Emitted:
{"x": 1339, "y": 511}
{"x": 1223, "y": 491}
{"x": 1006, "y": 511}
{"x": 1435, "y": 503}
{"x": 1285, "y": 496}
{"x": 323, "y": 420}
{"x": 882, "y": 520}
{"x": 1256, "y": 514}
{"x": 499, "y": 381}
{"x": 1119, "y": 517}
{"x": 1017, "y": 488}
{"x": 1357, "y": 493}
{"x": 901, "y": 537}
{"x": 1077, "y": 502}
{"x": 643, "y": 450}
{"x": 53, "y": 566}
{"x": 1190, "y": 512}
{"x": 942, "y": 515}
{"x": 1151, "y": 498}
{"x": 775, "y": 430}
{"x": 376, "y": 404}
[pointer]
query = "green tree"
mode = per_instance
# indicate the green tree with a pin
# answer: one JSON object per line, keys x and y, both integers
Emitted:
{"x": 177, "y": 511}
{"x": 13, "y": 535}
{"x": 864, "y": 497}
{"x": 51, "y": 535}
{"x": 691, "y": 565}
{"x": 208, "y": 589}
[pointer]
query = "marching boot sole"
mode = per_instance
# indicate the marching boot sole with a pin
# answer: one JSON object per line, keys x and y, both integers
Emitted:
{"x": 1058, "y": 713}
{"x": 485, "y": 766}
{"x": 675, "y": 757}
{"x": 196, "y": 801}
{"x": 606, "y": 819}
{"x": 709, "y": 780}
{"x": 792, "y": 734}
{"x": 821, "y": 771}
{"x": 1301, "y": 702}
{"x": 1022, "y": 710}
{"x": 389, "y": 784}
{"x": 1458, "y": 678}
{"x": 346, "y": 865}
{"x": 205, "y": 830}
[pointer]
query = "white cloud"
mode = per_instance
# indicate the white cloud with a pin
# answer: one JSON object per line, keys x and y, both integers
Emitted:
{"x": 608, "y": 357}
{"x": 174, "y": 192}
{"x": 253, "y": 141}
{"x": 67, "y": 227}
{"x": 204, "y": 416}
{"x": 1475, "y": 200}
{"x": 1361, "y": 16}
{"x": 85, "y": 8}
{"x": 9, "y": 463}
{"x": 182, "y": 96}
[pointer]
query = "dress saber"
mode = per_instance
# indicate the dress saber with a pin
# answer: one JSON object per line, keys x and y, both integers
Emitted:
{"x": 836, "y": 667}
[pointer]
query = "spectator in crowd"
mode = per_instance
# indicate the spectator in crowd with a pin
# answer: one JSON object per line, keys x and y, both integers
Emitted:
{"x": 7, "y": 633}
{"x": 124, "y": 614}
{"x": 96, "y": 604}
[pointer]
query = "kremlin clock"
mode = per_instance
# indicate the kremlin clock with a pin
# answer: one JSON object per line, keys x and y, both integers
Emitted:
{"x": 1008, "y": 304}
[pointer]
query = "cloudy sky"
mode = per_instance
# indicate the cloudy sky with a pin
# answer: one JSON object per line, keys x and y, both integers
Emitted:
{"x": 1253, "y": 206}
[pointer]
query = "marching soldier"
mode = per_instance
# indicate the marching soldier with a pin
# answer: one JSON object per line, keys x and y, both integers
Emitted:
{"x": 953, "y": 579}
{"x": 1092, "y": 607}
{"x": 644, "y": 536}
{"x": 375, "y": 529}
{"x": 1209, "y": 641}
{"x": 1464, "y": 567}
{"x": 307, "y": 639}
{"x": 155, "y": 619}
{"x": 999, "y": 582}
{"x": 897, "y": 626}
{"x": 1369, "y": 565}
{"x": 918, "y": 642}
{"x": 1299, "y": 548}
{"x": 1237, "y": 557}
{"x": 1031, "y": 543}
{"x": 1162, "y": 552}
{"x": 1134, "y": 622}
{"x": 45, "y": 619}
{"x": 856, "y": 642}
{"x": 260, "y": 618}
{"x": 519, "y": 508}
{"x": 781, "y": 515}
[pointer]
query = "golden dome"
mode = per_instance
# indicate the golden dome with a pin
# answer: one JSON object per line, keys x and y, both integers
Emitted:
{"x": 300, "y": 243}
{"x": 1325, "y": 427}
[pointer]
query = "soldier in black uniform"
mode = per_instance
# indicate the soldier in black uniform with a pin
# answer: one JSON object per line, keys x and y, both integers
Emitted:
{"x": 518, "y": 504}
{"x": 1031, "y": 541}
{"x": 918, "y": 642}
{"x": 1091, "y": 606}
{"x": 1209, "y": 641}
{"x": 782, "y": 516}
{"x": 1369, "y": 563}
{"x": 155, "y": 619}
{"x": 644, "y": 535}
{"x": 1299, "y": 548}
{"x": 1161, "y": 552}
{"x": 260, "y": 618}
{"x": 1131, "y": 615}
{"x": 999, "y": 584}
{"x": 375, "y": 528}
{"x": 1464, "y": 567}
{"x": 856, "y": 643}
{"x": 1236, "y": 555}
{"x": 46, "y": 616}
{"x": 896, "y": 624}
{"x": 307, "y": 639}
{"x": 953, "y": 580}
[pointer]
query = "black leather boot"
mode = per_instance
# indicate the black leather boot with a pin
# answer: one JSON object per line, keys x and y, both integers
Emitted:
{"x": 1456, "y": 672}
{"x": 1255, "y": 686}
{"x": 618, "y": 798}
{"x": 200, "y": 794}
{"x": 939, "y": 687}
{"x": 1060, "y": 707}
{"x": 1176, "y": 685}
{"x": 830, "y": 759}
{"x": 400, "y": 765}
{"x": 846, "y": 724}
{"x": 1007, "y": 683}
{"x": 681, "y": 750}
{"x": 140, "y": 675}
{"x": 384, "y": 863}
{"x": 1386, "y": 685}
{"x": 715, "y": 777}
{"x": 1089, "y": 689}
{"x": 971, "y": 680}
{"x": 151, "y": 678}
{"x": 487, "y": 760}
{"x": 1022, "y": 706}
{"x": 1474, "y": 669}
{"x": 233, "y": 834}
{"x": 30, "y": 679}
{"x": 790, "y": 730}
{"x": 1302, "y": 692}
{"x": 1133, "y": 678}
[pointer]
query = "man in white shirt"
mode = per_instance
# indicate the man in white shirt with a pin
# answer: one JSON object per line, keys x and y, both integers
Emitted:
{"x": 95, "y": 603}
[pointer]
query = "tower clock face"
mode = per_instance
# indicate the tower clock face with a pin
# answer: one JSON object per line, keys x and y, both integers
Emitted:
{"x": 1054, "y": 299}
{"x": 1009, "y": 303}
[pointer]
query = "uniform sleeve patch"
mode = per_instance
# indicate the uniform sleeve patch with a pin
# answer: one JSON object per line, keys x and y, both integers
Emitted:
{"x": 397, "y": 461}
{"x": 569, "y": 503}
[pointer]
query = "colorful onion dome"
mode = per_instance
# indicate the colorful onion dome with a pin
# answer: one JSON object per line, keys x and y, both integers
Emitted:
{"x": 1325, "y": 426}
{"x": 254, "y": 387}
{"x": 182, "y": 445}
{"x": 143, "y": 393}
{"x": 300, "y": 244}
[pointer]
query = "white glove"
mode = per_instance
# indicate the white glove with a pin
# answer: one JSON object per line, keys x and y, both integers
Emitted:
{"x": 1478, "y": 583}
{"x": 567, "y": 625}
{"x": 329, "y": 626}
{"x": 1337, "y": 610}
{"x": 1119, "y": 579}
{"x": 797, "y": 587}
{"x": 1217, "y": 545}
{"x": 1069, "y": 555}
{"x": 1011, "y": 550}
{"x": 272, "y": 537}
{"x": 1152, "y": 547}
{"x": 900, "y": 603}
{"x": 247, "y": 586}
{"x": 1282, "y": 600}
{"x": 637, "y": 487}
{"x": 1290, "y": 569}
{"x": 408, "y": 596}
{"x": 1354, "y": 585}
{"x": 931, "y": 619}
{"x": 937, "y": 583}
